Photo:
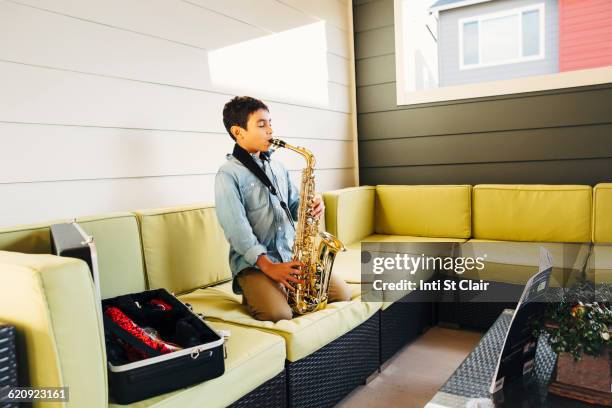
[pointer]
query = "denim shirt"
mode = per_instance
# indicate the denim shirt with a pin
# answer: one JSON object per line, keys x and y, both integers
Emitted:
{"x": 252, "y": 219}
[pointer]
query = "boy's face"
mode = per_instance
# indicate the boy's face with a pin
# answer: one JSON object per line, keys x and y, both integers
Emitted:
{"x": 255, "y": 138}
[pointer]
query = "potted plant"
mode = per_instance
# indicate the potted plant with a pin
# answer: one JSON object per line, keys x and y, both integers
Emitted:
{"x": 579, "y": 330}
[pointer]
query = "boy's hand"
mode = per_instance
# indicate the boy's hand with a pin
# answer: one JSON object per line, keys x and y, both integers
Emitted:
{"x": 317, "y": 207}
{"x": 283, "y": 273}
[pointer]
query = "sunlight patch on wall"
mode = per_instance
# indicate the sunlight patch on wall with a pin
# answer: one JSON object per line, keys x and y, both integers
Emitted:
{"x": 289, "y": 66}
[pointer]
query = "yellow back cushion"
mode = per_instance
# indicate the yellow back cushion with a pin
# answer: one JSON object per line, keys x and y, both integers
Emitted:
{"x": 31, "y": 239}
{"x": 349, "y": 213}
{"x": 426, "y": 211}
{"x": 602, "y": 213}
{"x": 117, "y": 240}
{"x": 539, "y": 213}
{"x": 184, "y": 247}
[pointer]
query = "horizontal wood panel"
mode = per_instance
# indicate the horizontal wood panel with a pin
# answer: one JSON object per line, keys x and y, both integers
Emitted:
{"x": 96, "y": 48}
{"x": 375, "y": 70}
{"x": 67, "y": 199}
{"x": 378, "y": 14}
{"x": 377, "y": 97}
{"x": 382, "y": 97}
{"x": 373, "y": 43}
{"x": 338, "y": 41}
{"x": 189, "y": 23}
{"x": 38, "y": 95}
{"x": 271, "y": 15}
{"x": 89, "y": 153}
{"x": 114, "y": 100}
{"x": 333, "y": 12}
{"x": 589, "y": 171}
{"x": 523, "y": 145}
{"x": 176, "y": 21}
{"x": 360, "y": 2}
{"x": 574, "y": 107}
{"x": 339, "y": 69}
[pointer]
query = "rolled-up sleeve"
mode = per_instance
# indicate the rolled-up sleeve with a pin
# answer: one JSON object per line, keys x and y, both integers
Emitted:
{"x": 232, "y": 217}
{"x": 293, "y": 200}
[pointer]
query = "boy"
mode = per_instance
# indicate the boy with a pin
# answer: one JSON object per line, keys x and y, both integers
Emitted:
{"x": 253, "y": 219}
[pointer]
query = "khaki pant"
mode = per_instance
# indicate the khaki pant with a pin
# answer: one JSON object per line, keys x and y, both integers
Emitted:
{"x": 266, "y": 299}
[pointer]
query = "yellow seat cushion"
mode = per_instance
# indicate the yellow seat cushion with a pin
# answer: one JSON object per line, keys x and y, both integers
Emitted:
{"x": 602, "y": 213}
{"x": 184, "y": 247}
{"x": 303, "y": 335}
{"x": 534, "y": 213}
{"x": 52, "y": 303}
{"x": 401, "y": 240}
{"x": 349, "y": 213}
{"x": 402, "y": 244}
{"x": 517, "y": 262}
{"x": 426, "y": 211}
{"x": 348, "y": 264}
{"x": 253, "y": 357}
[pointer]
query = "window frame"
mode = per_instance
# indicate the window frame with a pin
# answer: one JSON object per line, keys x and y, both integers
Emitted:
{"x": 536, "y": 83}
{"x": 540, "y": 7}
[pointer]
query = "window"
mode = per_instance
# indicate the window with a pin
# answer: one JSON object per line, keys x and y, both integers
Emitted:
{"x": 502, "y": 38}
{"x": 458, "y": 49}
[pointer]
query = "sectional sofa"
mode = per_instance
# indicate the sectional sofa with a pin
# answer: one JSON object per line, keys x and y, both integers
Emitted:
{"x": 312, "y": 360}
{"x": 508, "y": 223}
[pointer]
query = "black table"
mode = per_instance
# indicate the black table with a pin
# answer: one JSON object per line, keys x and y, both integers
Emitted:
{"x": 469, "y": 384}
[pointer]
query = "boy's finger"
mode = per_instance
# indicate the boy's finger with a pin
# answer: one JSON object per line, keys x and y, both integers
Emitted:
{"x": 288, "y": 286}
{"x": 296, "y": 280}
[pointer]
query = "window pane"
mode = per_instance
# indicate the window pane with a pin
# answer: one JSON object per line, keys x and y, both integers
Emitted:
{"x": 531, "y": 33}
{"x": 470, "y": 43}
{"x": 500, "y": 39}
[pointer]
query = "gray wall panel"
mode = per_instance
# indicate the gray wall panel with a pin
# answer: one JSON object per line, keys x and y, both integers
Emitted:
{"x": 517, "y": 145}
{"x": 372, "y": 43}
{"x": 373, "y": 15}
{"x": 590, "y": 171}
{"x": 376, "y": 70}
{"x": 578, "y": 107}
{"x": 556, "y": 137}
{"x": 359, "y": 2}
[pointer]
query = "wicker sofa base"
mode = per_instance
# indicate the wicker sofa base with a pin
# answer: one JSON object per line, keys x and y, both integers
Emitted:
{"x": 329, "y": 374}
{"x": 459, "y": 309}
{"x": 401, "y": 323}
{"x": 272, "y": 393}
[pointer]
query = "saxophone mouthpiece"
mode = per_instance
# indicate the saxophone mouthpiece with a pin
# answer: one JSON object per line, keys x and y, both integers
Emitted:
{"x": 277, "y": 142}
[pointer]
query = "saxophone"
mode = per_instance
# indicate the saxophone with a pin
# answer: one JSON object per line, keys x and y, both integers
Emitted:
{"x": 316, "y": 250}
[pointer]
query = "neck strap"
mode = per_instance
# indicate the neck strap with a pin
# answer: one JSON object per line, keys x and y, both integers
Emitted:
{"x": 247, "y": 160}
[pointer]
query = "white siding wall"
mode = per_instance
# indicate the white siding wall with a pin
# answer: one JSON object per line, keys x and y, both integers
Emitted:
{"x": 107, "y": 105}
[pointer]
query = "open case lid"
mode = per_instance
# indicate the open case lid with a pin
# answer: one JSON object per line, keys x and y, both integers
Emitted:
{"x": 70, "y": 240}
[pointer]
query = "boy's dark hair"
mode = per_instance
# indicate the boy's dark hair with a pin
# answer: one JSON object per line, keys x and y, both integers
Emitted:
{"x": 237, "y": 111}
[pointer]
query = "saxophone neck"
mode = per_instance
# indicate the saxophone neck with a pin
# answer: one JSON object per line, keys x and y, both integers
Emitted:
{"x": 307, "y": 154}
